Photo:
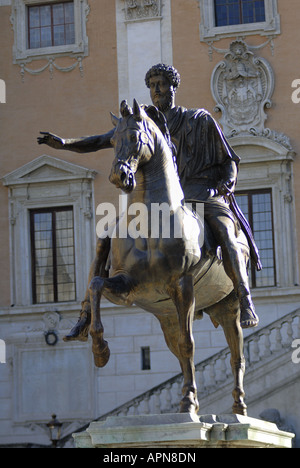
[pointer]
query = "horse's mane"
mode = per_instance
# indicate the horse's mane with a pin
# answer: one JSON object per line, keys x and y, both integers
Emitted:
{"x": 157, "y": 119}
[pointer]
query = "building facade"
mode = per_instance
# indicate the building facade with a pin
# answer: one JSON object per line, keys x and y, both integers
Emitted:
{"x": 64, "y": 66}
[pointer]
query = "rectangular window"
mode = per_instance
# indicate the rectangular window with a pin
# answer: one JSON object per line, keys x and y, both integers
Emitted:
{"x": 145, "y": 358}
{"x": 51, "y": 25}
{"x": 52, "y": 253}
{"x": 257, "y": 208}
{"x": 229, "y": 12}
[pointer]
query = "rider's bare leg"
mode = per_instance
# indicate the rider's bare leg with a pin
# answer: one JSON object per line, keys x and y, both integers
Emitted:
{"x": 235, "y": 267}
{"x": 98, "y": 268}
{"x": 236, "y": 270}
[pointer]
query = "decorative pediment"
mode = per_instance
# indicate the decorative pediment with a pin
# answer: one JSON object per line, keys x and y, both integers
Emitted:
{"x": 261, "y": 149}
{"x": 47, "y": 169}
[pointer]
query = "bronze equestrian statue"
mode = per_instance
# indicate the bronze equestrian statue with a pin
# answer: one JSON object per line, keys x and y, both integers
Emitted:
{"x": 207, "y": 168}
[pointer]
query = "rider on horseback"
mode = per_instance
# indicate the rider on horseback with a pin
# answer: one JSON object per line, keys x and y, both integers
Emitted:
{"x": 207, "y": 167}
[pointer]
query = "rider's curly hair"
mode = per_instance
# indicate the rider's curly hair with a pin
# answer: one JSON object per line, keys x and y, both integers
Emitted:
{"x": 167, "y": 70}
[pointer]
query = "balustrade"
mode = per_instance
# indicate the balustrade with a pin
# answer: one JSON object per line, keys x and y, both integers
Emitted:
{"x": 215, "y": 371}
{"x": 211, "y": 373}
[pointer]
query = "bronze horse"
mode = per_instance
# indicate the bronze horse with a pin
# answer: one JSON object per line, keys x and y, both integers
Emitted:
{"x": 173, "y": 277}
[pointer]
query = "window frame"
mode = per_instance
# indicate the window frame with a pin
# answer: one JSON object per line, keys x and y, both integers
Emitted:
{"x": 240, "y": 9}
{"x": 54, "y": 209}
{"x": 267, "y": 164}
{"x": 19, "y": 19}
{"x": 48, "y": 182}
{"x": 209, "y": 32}
{"x": 58, "y": 2}
{"x": 249, "y": 194}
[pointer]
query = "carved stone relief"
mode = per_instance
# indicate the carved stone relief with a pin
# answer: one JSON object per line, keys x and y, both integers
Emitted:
{"x": 242, "y": 86}
{"x": 142, "y": 9}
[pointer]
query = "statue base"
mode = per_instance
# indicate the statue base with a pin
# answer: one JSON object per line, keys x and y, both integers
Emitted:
{"x": 183, "y": 430}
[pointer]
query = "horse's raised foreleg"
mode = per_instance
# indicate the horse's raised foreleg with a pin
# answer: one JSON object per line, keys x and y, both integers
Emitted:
{"x": 117, "y": 286}
{"x": 227, "y": 314}
{"x": 182, "y": 294}
{"x": 99, "y": 347}
{"x": 98, "y": 267}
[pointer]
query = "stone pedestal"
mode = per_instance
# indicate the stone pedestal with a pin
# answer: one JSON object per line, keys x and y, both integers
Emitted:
{"x": 183, "y": 431}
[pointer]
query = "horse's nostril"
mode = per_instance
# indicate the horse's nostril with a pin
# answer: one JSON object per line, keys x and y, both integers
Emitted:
{"x": 123, "y": 177}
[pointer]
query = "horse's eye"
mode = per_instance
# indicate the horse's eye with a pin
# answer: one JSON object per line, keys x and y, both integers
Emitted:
{"x": 133, "y": 138}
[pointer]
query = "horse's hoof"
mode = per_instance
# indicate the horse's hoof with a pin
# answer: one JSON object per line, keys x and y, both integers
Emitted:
{"x": 189, "y": 404}
{"x": 239, "y": 408}
{"x": 101, "y": 355}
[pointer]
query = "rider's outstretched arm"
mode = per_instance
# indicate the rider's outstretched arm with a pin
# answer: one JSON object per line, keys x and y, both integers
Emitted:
{"x": 89, "y": 144}
{"x": 79, "y": 145}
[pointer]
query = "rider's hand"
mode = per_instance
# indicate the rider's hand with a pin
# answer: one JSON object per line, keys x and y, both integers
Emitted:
{"x": 51, "y": 140}
{"x": 226, "y": 187}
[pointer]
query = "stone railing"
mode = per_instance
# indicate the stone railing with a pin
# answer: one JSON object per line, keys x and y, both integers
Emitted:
{"x": 266, "y": 343}
{"x": 215, "y": 371}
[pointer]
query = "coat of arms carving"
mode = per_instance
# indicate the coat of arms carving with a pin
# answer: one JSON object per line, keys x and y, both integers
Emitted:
{"x": 142, "y": 9}
{"x": 242, "y": 86}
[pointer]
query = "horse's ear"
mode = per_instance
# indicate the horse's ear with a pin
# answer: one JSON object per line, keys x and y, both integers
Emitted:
{"x": 137, "y": 111}
{"x": 125, "y": 109}
{"x": 114, "y": 119}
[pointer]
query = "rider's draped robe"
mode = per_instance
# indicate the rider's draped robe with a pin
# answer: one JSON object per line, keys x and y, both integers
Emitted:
{"x": 203, "y": 153}
{"x": 203, "y": 157}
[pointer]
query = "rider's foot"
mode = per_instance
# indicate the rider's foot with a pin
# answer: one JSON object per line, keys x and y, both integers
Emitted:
{"x": 80, "y": 331}
{"x": 249, "y": 318}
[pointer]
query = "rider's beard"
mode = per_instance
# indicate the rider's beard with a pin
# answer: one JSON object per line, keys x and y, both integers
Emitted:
{"x": 165, "y": 102}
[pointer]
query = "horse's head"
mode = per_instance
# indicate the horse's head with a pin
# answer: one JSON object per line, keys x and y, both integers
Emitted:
{"x": 133, "y": 143}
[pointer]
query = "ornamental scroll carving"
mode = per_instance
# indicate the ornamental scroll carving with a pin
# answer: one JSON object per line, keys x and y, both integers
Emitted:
{"x": 242, "y": 86}
{"x": 142, "y": 9}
